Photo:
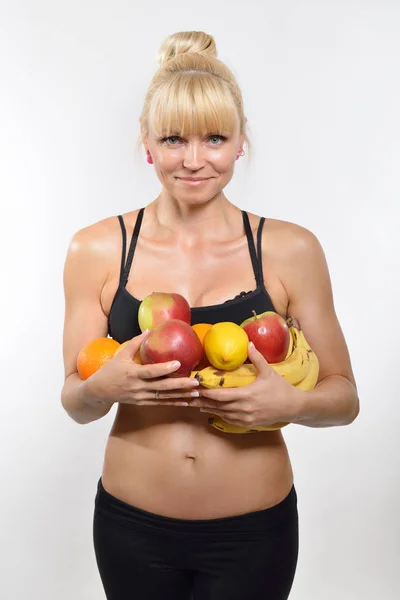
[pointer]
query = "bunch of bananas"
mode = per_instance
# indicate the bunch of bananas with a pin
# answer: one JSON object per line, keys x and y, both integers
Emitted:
{"x": 300, "y": 368}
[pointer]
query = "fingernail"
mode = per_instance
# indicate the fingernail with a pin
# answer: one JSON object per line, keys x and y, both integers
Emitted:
{"x": 176, "y": 364}
{"x": 194, "y": 382}
{"x": 195, "y": 394}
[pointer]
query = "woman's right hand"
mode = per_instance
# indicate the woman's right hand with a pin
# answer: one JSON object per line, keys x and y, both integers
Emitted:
{"x": 122, "y": 380}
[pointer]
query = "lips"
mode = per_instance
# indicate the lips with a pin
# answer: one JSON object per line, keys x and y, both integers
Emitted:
{"x": 193, "y": 182}
{"x": 192, "y": 179}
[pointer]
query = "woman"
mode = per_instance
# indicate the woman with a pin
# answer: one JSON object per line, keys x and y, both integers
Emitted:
{"x": 182, "y": 507}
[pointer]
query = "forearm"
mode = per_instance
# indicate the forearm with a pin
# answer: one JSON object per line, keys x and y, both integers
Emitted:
{"x": 333, "y": 402}
{"x": 79, "y": 405}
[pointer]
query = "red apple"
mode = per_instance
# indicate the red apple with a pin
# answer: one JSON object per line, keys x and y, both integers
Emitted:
{"x": 172, "y": 340}
{"x": 160, "y": 306}
{"x": 270, "y": 335}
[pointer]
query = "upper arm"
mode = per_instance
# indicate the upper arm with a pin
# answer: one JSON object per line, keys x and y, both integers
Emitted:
{"x": 308, "y": 285}
{"x": 85, "y": 272}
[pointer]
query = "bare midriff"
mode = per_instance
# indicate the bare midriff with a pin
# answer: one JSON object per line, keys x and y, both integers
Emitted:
{"x": 171, "y": 461}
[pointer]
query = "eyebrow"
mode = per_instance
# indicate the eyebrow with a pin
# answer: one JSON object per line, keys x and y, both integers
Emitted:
{"x": 223, "y": 133}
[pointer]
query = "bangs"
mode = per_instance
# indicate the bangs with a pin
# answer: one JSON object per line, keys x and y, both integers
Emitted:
{"x": 192, "y": 104}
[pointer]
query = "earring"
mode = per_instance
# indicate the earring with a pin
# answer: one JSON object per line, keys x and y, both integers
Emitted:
{"x": 241, "y": 153}
{"x": 149, "y": 159}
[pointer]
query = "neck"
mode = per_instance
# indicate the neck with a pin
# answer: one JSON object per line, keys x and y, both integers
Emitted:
{"x": 216, "y": 218}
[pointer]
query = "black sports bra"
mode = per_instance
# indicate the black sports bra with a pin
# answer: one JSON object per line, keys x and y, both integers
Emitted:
{"x": 123, "y": 318}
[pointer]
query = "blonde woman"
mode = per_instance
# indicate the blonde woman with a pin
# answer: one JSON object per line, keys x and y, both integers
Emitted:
{"x": 181, "y": 507}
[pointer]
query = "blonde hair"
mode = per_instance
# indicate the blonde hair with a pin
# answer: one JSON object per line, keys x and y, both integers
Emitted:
{"x": 192, "y": 92}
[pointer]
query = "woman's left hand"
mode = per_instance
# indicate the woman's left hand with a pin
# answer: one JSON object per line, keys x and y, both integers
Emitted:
{"x": 269, "y": 399}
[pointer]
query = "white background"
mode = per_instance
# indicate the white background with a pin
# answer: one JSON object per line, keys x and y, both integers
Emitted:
{"x": 321, "y": 83}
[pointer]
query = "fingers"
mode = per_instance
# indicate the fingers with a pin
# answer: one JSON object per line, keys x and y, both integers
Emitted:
{"x": 132, "y": 346}
{"x": 165, "y": 395}
{"x": 165, "y": 403}
{"x": 168, "y": 384}
{"x": 162, "y": 395}
{"x": 158, "y": 370}
{"x": 172, "y": 398}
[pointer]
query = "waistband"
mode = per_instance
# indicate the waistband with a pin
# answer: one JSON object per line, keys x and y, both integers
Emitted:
{"x": 257, "y": 523}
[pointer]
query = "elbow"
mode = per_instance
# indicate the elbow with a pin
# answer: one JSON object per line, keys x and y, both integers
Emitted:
{"x": 70, "y": 414}
{"x": 353, "y": 402}
{"x": 355, "y": 412}
{"x": 75, "y": 416}
{"x": 78, "y": 418}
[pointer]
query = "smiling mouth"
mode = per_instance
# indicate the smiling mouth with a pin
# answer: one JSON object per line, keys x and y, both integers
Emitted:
{"x": 195, "y": 180}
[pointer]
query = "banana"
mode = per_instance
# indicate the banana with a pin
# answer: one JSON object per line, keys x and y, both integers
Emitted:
{"x": 230, "y": 428}
{"x": 291, "y": 343}
{"x": 210, "y": 377}
{"x": 311, "y": 379}
{"x": 294, "y": 369}
{"x": 300, "y": 368}
{"x": 302, "y": 339}
{"x": 308, "y": 383}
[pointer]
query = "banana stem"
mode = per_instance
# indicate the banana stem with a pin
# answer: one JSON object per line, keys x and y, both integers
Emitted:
{"x": 292, "y": 322}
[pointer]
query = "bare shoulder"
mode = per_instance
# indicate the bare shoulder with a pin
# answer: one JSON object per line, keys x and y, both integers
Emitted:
{"x": 283, "y": 239}
{"x": 102, "y": 239}
{"x": 96, "y": 237}
{"x": 285, "y": 230}
{"x": 294, "y": 243}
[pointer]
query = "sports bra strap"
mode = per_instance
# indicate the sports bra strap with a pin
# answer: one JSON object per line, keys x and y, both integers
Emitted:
{"x": 252, "y": 250}
{"x": 256, "y": 259}
{"x": 259, "y": 251}
{"x": 124, "y": 273}
{"x": 121, "y": 222}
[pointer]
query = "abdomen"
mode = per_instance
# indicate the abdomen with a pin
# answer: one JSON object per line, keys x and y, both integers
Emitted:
{"x": 170, "y": 461}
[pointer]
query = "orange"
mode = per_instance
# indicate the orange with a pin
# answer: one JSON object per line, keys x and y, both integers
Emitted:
{"x": 201, "y": 329}
{"x": 94, "y": 355}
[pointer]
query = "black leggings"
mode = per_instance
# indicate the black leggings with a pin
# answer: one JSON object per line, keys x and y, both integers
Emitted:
{"x": 146, "y": 556}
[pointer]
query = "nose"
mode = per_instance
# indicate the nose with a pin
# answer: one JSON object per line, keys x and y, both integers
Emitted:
{"x": 194, "y": 156}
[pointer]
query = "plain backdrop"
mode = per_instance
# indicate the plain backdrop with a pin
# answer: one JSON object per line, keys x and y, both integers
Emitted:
{"x": 321, "y": 85}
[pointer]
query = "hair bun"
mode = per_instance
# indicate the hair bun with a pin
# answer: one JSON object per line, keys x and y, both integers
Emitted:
{"x": 184, "y": 42}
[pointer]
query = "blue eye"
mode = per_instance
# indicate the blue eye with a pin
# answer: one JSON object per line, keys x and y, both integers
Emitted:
{"x": 221, "y": 137}
{"x": 172, "y": 137}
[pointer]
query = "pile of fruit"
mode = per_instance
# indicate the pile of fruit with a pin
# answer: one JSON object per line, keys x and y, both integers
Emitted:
{"x": 216, "y": 354}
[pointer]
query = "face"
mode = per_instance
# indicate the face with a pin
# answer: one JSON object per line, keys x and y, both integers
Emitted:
{"x": 211, "y": 157}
